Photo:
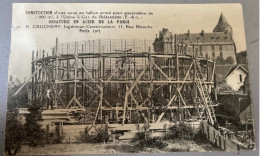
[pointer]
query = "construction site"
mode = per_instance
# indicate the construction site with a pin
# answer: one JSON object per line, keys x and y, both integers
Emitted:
{"x": 127, "y": 86}
{"x": 117, "y": 82}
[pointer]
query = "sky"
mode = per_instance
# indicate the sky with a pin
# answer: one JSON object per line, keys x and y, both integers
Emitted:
{"x": 178, "y": 18}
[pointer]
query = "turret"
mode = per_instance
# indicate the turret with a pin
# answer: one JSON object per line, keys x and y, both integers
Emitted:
{"x": 223, "y": 25}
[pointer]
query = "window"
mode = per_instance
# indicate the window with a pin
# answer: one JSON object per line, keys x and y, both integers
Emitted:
{"x": 212, "y": 47}
{"x": 213, "y": 51}
{"x": 220, "y": 47}
{"x": 240, "y": 77}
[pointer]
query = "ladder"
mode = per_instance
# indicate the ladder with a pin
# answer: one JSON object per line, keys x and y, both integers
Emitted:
{"x": 206, "y": 99}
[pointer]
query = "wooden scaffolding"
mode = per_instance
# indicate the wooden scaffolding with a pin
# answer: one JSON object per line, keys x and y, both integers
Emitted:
{"x": 126, "y": 84}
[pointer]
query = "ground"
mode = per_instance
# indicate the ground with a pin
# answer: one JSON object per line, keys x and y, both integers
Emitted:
{"x": 120, "y": 147}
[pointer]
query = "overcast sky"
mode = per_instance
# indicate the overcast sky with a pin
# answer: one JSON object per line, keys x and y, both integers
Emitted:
{"x": 178, "y": 18}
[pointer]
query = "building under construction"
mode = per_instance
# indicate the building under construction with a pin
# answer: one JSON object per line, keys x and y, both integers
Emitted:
{"x": 125, "y": 81}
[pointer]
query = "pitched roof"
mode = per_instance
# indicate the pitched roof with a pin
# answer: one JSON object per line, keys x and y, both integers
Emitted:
{"x": 233, "y": 69}
{"x": 246, "y": 82}
{"x": 245, "y": 66}
{"x": 221, "y": 71}
{"x": 244, "y": 104}
{"x": 204, "y": 37}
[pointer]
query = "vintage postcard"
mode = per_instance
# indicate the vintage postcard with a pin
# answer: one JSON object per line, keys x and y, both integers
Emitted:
{"x": 128, "y": 78}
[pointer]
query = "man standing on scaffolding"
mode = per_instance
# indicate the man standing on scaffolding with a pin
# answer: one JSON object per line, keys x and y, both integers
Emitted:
{"x": 49, "y": 98}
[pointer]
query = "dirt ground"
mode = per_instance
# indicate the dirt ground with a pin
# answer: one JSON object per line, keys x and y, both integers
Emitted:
{"x": 111, "y": 148}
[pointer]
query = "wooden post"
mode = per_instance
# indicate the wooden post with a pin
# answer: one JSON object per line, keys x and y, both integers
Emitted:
{"x": 177, "y": 64}
{"x": 75, "y": 74}
{"x": 47, "y": 133}
{"x": 33, "y": 70}
{"x": 56, "y": 71}
{"x": 215, "y": 85}
{"x": 194, "y": 78}
{"x": 68, "y": 84}
{"x": 76, "y": 64}
{"x": 36, "y": 77}
{"x": 60, "y": 130}
{"x": 177, "y": 85}
{"x": 117, "y": 113}
{"x": 214, "y": 137}
{"x": 207, "y": 65}
{"x": 134, "y": 57}
{"x": 42, "y": 80}
{"x": 149, "y": 116}
{"x": 208, "y": 132}
{"x": 225, "y": 144}
{"x": 75, "y": 92}
{"x": 219, "y": 141}
{"x": 125, "y": 106}
{"x": 57, "y": 59}
{"x": 101, "y": 101}
{"x": 171, "y": 44}
{"x": 83, "y": 84}
{"x": 103, "y": 67}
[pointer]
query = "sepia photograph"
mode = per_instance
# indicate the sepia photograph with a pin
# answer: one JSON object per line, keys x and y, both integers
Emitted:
{"x": 88, "y": 78}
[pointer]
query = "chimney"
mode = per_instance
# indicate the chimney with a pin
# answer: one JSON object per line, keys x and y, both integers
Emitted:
{"x": 189, "y": 33}
{"x": 202, "y": 33}
{"x": 156, "y": 35}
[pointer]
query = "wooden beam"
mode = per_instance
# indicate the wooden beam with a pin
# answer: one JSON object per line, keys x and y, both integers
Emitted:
{"x": 129, "y": 90}
{"x": 27, "y": 81}
{"x": 86, "y": 71}
{"x": 97, "y": 94}
{"x": 148, "y": 108}
{"x": 161, "y": 71}
{"x": 171, "y": 100}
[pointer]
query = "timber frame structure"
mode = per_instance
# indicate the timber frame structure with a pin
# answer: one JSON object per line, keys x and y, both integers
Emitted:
{"x": 124, "y": 85}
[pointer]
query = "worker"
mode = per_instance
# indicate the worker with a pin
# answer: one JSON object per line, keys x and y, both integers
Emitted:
{"x": 49, "y": 98}
{"x": 126, "y": 120}
{"x": 212, "y": 94}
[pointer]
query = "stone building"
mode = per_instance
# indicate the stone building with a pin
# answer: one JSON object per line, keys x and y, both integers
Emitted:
{"x": 218, "y": 43}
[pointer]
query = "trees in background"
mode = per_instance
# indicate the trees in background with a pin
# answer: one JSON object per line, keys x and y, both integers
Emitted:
{"x": 222, "y": 61}
{"x": 17, "y": 134}
{"x": 14, "y": 132}
{"x": 34, "y": 133}
{"x": 242, "y": 57}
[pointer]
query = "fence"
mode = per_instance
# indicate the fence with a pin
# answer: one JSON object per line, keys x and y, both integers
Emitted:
{"x": 222, "y": 139}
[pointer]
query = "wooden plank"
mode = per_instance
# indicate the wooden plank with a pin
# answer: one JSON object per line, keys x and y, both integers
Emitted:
{"x": 139, "y": 82}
